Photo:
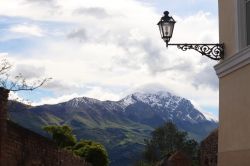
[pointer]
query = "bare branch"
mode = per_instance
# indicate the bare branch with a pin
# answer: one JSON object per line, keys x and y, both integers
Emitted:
{"x": 5, "y": 66}
{"x": 18, "y": 83}
{"x": 23, "y": 86}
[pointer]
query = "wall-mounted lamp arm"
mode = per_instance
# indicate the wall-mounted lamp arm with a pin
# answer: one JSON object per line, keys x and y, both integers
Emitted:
{"x": 212, "y": 51}
{"x": 166, "y": 27}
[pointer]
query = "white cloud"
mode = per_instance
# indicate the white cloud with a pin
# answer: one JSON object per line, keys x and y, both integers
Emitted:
{"x": 95, "y": 92}
{"x": 14, "y": 96}
{"x": 28, "y": 71}
{"x": 3, "y": 54}
{"x": 210, "y": 116}
{"x": 31, "y": 30}
{"x": 55, "y": 100}
{"x": 101, "y": 94}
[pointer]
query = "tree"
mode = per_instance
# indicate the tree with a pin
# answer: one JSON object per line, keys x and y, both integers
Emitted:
{"x": 166, "y": 140}
{"x": 151, "y": 153}
{"x": 18, "y": 82}
{"x": 62, "y": 135}
{"x": 93, "y": 152}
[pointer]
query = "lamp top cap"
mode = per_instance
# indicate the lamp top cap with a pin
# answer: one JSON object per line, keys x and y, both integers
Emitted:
{"x": 166, "y": 13}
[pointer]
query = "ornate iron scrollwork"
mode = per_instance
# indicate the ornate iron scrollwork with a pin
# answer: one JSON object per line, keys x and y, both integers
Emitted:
{"x": 212, "y": 51}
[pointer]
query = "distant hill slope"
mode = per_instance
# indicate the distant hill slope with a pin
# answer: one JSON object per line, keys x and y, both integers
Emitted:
{"x": 121, "y": 125}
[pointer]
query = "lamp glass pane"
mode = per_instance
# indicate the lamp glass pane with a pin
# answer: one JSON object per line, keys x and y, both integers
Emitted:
{"x": 167, "y": 29}
{"x": 160, "y": 28}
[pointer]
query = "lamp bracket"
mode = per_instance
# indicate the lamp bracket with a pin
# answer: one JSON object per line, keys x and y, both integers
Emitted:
{"x": 212, "y": 51}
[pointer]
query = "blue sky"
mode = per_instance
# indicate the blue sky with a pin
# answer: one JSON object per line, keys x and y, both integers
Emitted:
{"x": 107, "y": 49}
{"x": 184, "y": 7}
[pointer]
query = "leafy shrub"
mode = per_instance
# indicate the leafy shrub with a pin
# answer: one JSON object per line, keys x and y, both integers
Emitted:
{"x": 62, "y": 135}
{"x": 93, "y": 152}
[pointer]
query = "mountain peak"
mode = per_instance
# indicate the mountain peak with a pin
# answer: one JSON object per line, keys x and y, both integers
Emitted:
{"x": 158, "y": 93}
{"x": 166, "y": 104}
{"x": 82, "y": 100}
{"x": 158, "y": 98}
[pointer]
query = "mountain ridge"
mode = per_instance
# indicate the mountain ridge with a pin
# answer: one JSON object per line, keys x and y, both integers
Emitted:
{"x": 207, "y": 115}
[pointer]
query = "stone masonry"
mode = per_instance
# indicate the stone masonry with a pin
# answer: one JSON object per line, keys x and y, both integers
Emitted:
{"x": 22, "y": 147}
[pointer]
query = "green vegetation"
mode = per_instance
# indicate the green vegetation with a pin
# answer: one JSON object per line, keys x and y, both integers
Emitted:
{"x": 166, "y": 140}
{"x": 62, "y": 135}
{"x": 92, "y": 152}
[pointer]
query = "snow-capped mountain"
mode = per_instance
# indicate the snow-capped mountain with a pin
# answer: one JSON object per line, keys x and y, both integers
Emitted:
{"x": 169, "y": 106}
{"x": 120, "y": 125}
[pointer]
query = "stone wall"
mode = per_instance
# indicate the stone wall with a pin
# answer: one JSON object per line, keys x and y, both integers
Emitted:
{"x": 3, "y": 125}
{"x": 209, "y": 150}
{"x": 22, "y": 147}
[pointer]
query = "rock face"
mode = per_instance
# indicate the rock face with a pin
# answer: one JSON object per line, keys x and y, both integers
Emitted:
{"x": 121, "y": 125}
{"x": 209, "y": 150}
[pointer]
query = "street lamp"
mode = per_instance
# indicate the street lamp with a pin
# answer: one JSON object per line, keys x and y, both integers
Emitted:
{"x": 166, "y": 27}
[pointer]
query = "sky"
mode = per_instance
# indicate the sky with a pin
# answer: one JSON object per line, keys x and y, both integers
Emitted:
{"x": 107, "y": 49}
